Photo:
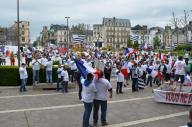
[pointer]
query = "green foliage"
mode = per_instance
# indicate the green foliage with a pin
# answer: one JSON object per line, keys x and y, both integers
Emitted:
{"x": 136, "y": 45}
{"x": 56, "y": 63}
{"x": 184, "y": 47}
{"x": 35, "y": 43}
{"x": 10, "y": 75}
{"x": 129, "y": 43}
{"x": 156, "y": 42}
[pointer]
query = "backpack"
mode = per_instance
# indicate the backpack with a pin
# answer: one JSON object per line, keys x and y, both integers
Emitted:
{"x": 149, "y": 70}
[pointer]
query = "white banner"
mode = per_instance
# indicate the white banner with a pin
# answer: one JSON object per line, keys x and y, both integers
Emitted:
{"x": 173, "y": 97}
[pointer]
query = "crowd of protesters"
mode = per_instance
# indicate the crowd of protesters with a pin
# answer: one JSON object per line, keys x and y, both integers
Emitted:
{"x": 140, "y": 68}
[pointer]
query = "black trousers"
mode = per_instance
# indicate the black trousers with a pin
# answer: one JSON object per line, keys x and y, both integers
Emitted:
{"x": 80, "y": 89}
{"x": 59, "y": 80}
{"x": 65, "y": 86}
{"x": 119, "y": 87}
{"x": 73, "y": 75}
{"x": 108, "y": 77}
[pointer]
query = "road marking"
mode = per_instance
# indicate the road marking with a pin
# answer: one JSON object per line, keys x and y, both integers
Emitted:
{"x": 50, "y": 94}
{"x": 152, "y": 119}
{"x": 69, "y": 106}
{"x": 32, "y": 95}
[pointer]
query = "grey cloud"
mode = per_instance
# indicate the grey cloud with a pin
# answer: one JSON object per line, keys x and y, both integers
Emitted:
{"x": 46, "y": 12}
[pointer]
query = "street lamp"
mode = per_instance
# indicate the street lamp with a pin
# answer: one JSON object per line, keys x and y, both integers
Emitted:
{"x": 18, "y": 33}
{"x": 67, "y": 18}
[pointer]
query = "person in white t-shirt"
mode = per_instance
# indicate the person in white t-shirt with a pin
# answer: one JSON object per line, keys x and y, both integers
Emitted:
{"x": 59, "y": 79}
{"x": 36, "y": 63}
{"x": 23, "y": 77}
{"x": 49, "y": 70}
{"x": 120, "y": 80}
{"x": 65, "y": 76}
{"x": 103, "y": 86}
{"x": 180, "y": 70}
{"x": 88, "y": 94}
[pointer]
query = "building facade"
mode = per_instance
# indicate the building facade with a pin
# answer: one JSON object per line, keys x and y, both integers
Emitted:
{"x": 3, "y": 35}
{"x": 113, "y": 32}
{"x": 24, "y": 32}
{"x": 10, "y": 35}
{"x": 98, "y": 35}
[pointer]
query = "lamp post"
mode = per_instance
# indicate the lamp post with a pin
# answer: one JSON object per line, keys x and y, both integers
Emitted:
{"x": 18, "y": 33}
{"x": 67, "y": 18}
{"x": 98, "y": 36}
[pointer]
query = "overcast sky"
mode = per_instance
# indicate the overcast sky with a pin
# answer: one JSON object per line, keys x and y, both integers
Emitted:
{"x": 46, "y": 12}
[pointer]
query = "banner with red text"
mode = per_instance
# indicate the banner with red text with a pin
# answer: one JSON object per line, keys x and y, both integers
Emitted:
{"x": 173, "y": 97}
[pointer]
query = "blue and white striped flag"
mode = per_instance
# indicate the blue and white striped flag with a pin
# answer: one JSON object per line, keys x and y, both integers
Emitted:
{"x": 174, "y": 45}
{"x": 134, "y": 37}
{"x": 78, "y": 38}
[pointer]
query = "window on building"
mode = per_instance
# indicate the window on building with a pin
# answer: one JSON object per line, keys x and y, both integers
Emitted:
{"x": 23, "y": 39}
{"x": 23, "y": 26}
{"x": 23, "y": 32}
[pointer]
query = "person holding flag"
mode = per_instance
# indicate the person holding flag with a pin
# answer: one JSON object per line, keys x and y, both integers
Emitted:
{"x": 88, "y": 94}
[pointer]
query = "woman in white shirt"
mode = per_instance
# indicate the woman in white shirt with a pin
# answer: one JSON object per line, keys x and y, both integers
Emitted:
{"x": 49, "y": 68}
{"x": 23, "y": 77}
{"x": 88, "y": 94}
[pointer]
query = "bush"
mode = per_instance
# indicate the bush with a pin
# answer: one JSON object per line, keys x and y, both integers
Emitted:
{"x": 10, "y": 75}
{"x": 56, "y": 63}
{"x": 185, "y": 47}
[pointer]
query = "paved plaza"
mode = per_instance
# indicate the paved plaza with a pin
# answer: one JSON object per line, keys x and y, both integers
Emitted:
{"x": 41, "y": 108}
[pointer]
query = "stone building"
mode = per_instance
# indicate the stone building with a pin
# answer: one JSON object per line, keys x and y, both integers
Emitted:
{"x": 113, "y": 32}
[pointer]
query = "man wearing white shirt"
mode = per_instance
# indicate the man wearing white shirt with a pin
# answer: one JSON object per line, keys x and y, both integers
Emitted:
{"x": 44, "y": 60}
{"x": 180, "y": 71}
{"x": 49, "y": 69}
{"x": 103, "y": 86}
{"x": 60, "y": 60}
{"x": 23, "y": 77}
{"x": 88, "y": 94}
{"x": 120, "y": 80}
{"x": 36, "y": 67}
{"x": 59, "y": 79}
{"x": 144, "y": 68}
{"x": 73, "y": 70}
{"x": 65, "y": 76}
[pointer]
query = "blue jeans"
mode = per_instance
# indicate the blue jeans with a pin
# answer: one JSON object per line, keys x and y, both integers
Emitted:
{"x": 87, "y": 113}
{"x": 22, "y": 85}
{"x": 35, "y": 76}
{"x": 134, "y": 84}
{"x": 49, "y": 76}
{"x": 97, "y": 104}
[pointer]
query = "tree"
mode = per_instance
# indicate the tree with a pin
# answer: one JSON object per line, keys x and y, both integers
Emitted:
{"x": 156, "y": 42}
{"x": 80, "y": 28}
{"x": 184, "y": 22}
{"x": 35, "y": 43}
{"x": 136, "y": 45}
{"x": 176, "y": 23}
{"x": 129, "y": 43}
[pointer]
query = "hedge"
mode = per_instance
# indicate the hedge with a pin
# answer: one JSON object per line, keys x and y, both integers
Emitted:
{"x": 9, "y": 75}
